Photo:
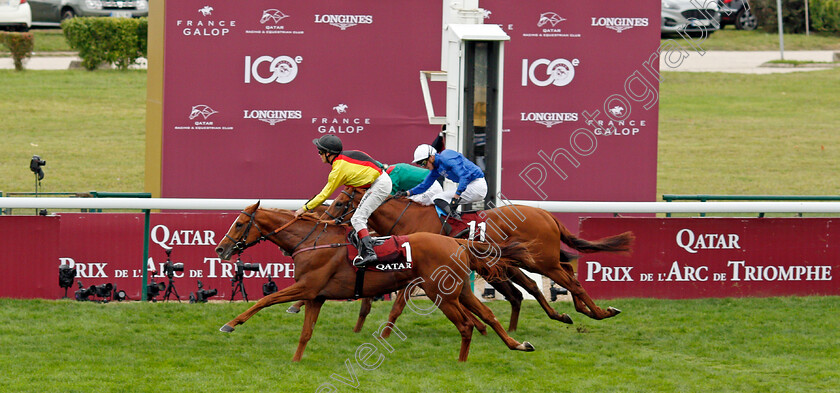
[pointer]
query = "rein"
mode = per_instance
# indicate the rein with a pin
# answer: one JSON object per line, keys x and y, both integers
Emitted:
{"x": 331, "y": 245}
{"x": 240, "y": 245}
{"x": 400, "y": 216}
{"x": 339, "y": 219}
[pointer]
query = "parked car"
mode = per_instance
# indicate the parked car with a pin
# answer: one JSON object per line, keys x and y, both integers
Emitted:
{"x": 15, "y": 15}
{"x": 52, "y": 12}
{"x": 685, "y": 16}
{"x": 737, "y": 13}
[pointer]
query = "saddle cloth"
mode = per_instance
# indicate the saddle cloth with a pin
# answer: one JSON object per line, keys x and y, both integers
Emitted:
{"x": 471, "y": 226}
{"x": 390, "y": 250}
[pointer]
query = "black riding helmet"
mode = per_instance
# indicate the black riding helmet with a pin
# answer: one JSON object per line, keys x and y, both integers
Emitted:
{"x": 329, "y": 144}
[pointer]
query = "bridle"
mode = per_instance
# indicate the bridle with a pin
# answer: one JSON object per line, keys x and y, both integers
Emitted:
{"x": 340, "y": 218}
{"x": 349, "y": 209}
{"x": 240, "y": 245}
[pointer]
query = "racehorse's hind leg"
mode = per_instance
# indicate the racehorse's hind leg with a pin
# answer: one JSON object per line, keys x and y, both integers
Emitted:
{"x": 477, "y": 324}
{"x": 526, "y": 282}
{"x": 364, "y": 310}
{"x": 471, "y": 303}
{"x": 584, "y": 304}
{"x": 295, "y": 291}
{"x": 458, "y": 316}
{"x": 513, "y": 296}
{"x": 295, "y": 308}
{"x": 313, "y": 308}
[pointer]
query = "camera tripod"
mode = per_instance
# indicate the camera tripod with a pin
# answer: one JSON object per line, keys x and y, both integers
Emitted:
{"x": 171, "y": 275}
{"x": 171, "y": 288}
{"x": 236, "y": 282}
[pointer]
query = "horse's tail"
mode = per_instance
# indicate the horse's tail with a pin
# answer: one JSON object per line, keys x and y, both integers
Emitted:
{"x": 617, "y": 243}
{"x": 491, "y": 261}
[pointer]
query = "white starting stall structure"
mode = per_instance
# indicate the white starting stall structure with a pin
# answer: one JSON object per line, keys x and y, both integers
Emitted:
{"x": 472, "y": 66}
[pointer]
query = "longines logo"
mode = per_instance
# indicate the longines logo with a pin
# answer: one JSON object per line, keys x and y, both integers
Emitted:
{"x": 549, "y": 119}
{"x": 620, "y": 24}
{"x": 272, "y": 116}
{"x": 344, "y": 21}
{"x": 340, "y": 123}
{"x": 558, "y": 72}
{"x": 205, "y": 26}
{"x": 282, "y": 69}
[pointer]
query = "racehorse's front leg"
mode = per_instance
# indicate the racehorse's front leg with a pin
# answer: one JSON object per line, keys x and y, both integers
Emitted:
{"x": 313, "y": 308}
{"x": 294, "y": 292}
{"x": 396, "y": 309}
{"x": 364, "y": 310}
{"x": 526, "y": 282}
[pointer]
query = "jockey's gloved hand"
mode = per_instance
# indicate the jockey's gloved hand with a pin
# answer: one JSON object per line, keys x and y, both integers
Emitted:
{"x": 453, "y": 204}
{"x": 401, "y": 194}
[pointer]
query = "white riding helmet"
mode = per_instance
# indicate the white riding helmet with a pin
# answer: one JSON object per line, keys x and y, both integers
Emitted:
{"x": 423, "y": 152}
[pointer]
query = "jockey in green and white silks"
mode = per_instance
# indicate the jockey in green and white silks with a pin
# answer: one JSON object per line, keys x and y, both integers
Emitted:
{"x": 406, "y": 176}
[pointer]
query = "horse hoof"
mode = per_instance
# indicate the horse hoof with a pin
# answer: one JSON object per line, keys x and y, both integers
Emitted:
{"x": 565, "y": 318}
{"x": 614, "y": 311}
{"x": 225, "y": 329}
{"x": 292, "y": 310}
{"x": 526, "y": 346}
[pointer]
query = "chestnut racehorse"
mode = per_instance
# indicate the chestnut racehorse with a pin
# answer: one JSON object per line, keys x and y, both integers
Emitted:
{"x": 539, "y": 228}
{"x": 364, "y": 310}
{"x": 439, "y": 266}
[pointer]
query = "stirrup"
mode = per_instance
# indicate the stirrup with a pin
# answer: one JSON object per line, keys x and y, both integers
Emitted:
{"x": 359, "y": 262}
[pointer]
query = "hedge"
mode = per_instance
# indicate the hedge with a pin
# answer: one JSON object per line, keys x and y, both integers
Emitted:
{"x": 824, "y": 15}
{"x": 117, "y": 41}
{"x": 793, "y": 15}
{"x": 20, "y": 44}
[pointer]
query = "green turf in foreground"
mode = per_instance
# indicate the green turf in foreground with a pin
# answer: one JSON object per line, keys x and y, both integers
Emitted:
{"x": 721, "y": 345}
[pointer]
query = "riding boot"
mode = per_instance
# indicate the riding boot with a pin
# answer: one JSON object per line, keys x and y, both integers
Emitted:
{"x": 366, "y": 252}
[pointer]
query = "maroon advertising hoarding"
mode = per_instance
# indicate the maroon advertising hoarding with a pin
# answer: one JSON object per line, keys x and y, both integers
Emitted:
{"x": 580, "y": 99}
{"x": 248, "y": 85}
{"x": 108, "y": 248}
{"x": 680, "y": 258}
{"x": 672, "y": 258}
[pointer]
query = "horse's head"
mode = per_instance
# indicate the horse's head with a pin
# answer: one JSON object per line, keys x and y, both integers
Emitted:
{"x": 344, "y": 205}
{"x": 241, "y": 234}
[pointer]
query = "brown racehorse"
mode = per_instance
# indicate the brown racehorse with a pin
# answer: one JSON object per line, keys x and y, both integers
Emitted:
{"x": 364, "y": 309}
{"x": 322, "y": 271}
{"x": 543, "y": 232}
